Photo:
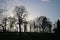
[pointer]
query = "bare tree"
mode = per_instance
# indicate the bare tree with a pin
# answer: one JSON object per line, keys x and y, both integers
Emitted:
{"x": 4, "y": 21}
{"x": 25, "y": 26}
{"x": 58, "y": 27}
{"x": 12, "y": 21}
{"x": 35, "y": 26}
{"x": 1, "y": 28}
{"x": 20, "y": 12}
{"x": 42, "y": 23}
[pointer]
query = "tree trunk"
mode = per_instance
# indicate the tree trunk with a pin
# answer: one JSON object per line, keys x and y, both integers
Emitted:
{"x": 34, "y": 29}
{"x": 25, "y": 27}
{"x": 50, "y": 30}
{"x": 19, "y": 25}
{"x": 43, "y": 30}
{"x": 4, "y": 28}
{"x": 30, "y": 28}
{"x": 37, "y": 29}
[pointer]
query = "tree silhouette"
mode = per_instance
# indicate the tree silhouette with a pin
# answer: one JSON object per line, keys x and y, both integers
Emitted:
{"x": 30, "y": 27}
{"x": 58, "y": 27}
{"x": 21, "y": 13}
{"x": 1, "y": 28}
{"x": 12, "y": 21}
{"x": 4, "y": 21}
{"x": 25, "y": 25}
{"x": 31, "y": 23}
{"x": 35, "y": 26}
{"x": 46, "y": 23}
{"x": 49, "y": 25}
{"x": 42, "y": 23}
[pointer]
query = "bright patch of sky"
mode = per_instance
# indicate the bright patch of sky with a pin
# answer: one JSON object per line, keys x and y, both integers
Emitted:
{"x": 44, "y": 0}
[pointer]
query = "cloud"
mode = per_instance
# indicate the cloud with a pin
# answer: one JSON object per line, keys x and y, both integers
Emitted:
{"x": 44, "y": 0}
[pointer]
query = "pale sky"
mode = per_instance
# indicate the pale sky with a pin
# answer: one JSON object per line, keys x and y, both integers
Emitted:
{"x": 36, "y": 8}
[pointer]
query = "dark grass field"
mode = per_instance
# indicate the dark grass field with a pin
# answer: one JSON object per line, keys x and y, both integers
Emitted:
{"x": 28, "y": 36}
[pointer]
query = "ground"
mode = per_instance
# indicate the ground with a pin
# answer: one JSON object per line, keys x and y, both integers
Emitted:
{"x": 28, "y": 36}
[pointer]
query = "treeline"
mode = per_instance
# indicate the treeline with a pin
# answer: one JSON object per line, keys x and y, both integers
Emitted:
{"x": 19, "y": 23}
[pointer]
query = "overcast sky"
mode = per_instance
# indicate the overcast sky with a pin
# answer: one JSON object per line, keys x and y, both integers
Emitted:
{"x": 48, "y": 8}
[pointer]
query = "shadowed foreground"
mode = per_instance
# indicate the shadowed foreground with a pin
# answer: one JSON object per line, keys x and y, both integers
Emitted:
{"x": 28, "y": 36}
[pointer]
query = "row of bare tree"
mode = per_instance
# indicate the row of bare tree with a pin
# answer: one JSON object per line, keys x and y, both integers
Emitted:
{"x": 41, "y": 24}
